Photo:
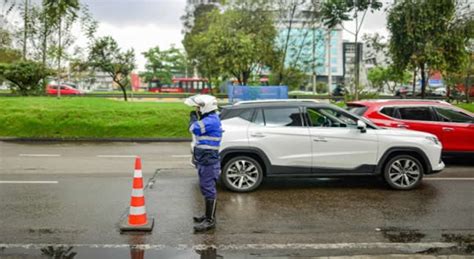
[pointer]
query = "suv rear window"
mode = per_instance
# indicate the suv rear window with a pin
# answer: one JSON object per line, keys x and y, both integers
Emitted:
{"x": 358, "y": 110}
{"x": 450, "y": 115}
{"x": 245, "y": 114}
{"x": 280, "y": 117}
{"x": 389, "y": 111}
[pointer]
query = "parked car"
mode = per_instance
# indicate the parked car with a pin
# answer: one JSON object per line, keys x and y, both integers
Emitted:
{"x": 310, "y": 139}
{"x": 66, "y": 89}
{"x": 452, "y": 125}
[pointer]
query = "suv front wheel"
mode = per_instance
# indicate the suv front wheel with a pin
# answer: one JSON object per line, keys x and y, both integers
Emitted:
{"x": 242, "y": 174}
{"x": 403, "y": 172}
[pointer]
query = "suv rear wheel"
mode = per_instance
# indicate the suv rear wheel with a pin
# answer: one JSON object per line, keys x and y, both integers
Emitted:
{"x": 242, "y": 174}
{"x": 403, "y": 172}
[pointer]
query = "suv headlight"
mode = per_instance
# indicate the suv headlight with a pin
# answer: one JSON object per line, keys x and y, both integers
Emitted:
{"x": 433, "y": 140}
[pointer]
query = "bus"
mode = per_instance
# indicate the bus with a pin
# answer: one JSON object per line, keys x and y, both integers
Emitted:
{"x": 181, "y": 85}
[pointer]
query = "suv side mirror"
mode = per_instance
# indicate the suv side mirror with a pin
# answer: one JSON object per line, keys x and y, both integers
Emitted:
{"x": 362, "y": 126}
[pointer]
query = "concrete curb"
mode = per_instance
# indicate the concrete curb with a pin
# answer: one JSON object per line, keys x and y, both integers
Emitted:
{"x": 102, "y": 140}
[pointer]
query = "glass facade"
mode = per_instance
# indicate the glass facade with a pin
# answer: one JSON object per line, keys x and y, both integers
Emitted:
{"x": 300, "y": 49}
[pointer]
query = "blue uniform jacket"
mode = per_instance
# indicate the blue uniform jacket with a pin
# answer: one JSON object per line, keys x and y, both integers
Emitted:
{"x": 208, "y": 133}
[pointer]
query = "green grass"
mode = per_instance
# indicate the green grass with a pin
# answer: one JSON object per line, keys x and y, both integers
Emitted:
{"x": 42, "y": 117}
{"x": 467, "y": 106}
{"x": 91, "y": 118}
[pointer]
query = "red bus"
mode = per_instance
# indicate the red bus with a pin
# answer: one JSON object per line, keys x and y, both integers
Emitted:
{"x": 181, "y": 85}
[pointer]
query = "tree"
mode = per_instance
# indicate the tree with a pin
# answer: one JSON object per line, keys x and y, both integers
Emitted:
{"x": 335, "y": 12}
{"x": 238, "y": 41}
{"x": 25, "y": 76}
{"x": 7, "y": 53}
{"x": 59, "y": 11}
{"x": 195, "y": 43}
{"x": 292, "y": 77}
{"x": 300, "y": 38}
{"x": 163, "y": 64}
{"x": 106, "y": 56}
{"x": 428, "y": 35}
{"x": 388, "y": 77}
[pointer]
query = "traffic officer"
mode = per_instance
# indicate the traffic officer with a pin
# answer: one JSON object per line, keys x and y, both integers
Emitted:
{"x": 206, "y": 128}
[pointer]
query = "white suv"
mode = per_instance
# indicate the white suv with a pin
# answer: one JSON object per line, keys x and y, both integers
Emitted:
{"x": 311, "y": 139}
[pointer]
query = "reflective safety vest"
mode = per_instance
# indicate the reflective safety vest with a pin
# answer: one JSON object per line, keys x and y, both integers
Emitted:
{"x": 208, "y": 135}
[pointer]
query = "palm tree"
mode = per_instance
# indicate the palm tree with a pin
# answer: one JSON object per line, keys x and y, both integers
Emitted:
{"x": 59, "y": 11}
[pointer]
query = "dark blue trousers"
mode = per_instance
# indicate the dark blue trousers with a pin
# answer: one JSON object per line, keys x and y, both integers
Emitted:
{"x": 208, "y": 175}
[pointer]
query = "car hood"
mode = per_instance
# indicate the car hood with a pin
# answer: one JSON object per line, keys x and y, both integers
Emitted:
{"x": 404, "y": 133}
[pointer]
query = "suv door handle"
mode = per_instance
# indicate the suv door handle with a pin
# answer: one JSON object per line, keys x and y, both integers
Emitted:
{"x": 402, "y": 126}
{"x": 257, "y": 135}
{"x": 319, "y": 139}
{"x": 447, "y": 129}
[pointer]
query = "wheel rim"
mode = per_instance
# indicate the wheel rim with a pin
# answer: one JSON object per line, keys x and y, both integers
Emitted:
{"x": 242, "y": 174}
{"x": 404, "y": 172}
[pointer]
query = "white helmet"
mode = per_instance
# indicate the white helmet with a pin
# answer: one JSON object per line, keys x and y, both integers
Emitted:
{"x": 206, "y": 103}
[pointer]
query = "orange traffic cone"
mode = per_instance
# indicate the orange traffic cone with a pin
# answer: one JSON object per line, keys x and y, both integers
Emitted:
{"x": 137, "y": 219}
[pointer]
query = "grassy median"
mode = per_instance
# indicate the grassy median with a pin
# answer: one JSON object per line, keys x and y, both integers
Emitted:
{"x": 467, "y": 106}
{"x": 40, "y": 117}
{"x": 48, "y": 117}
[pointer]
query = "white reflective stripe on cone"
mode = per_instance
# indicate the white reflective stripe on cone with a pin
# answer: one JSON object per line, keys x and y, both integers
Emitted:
{"x": 137, "y": 210}
{"x": 138, "y": 174}
{"x": 137, "y": 193}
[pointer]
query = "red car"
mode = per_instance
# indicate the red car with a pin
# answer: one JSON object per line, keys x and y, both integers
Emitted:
{"x": 52, "y": 89}
{"x": 453, "y": 126}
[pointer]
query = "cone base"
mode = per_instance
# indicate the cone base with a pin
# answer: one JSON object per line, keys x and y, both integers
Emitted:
{"x": 125, "y": 227}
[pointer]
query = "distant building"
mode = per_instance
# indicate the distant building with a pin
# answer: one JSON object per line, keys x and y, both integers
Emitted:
{"x": 374, "y": 58}
{"x": 308, "y": 50}
{"x": 310, "y": 46}
{"x": 349, "y": 57}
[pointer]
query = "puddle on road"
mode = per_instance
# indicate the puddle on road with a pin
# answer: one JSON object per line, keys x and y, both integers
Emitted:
{"x": 397, "y": 235}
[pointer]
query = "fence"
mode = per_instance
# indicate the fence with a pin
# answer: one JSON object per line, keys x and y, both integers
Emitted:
{"x": 246, "y": 93}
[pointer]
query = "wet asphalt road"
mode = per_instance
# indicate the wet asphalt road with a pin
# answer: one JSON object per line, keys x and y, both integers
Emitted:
{"x": 285, "y": 217}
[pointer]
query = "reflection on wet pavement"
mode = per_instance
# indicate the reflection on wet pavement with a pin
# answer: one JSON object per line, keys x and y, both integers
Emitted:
{"x": 402, "y": 236}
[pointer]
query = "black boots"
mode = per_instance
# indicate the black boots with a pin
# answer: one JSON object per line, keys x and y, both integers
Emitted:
{"x": 209, "y": 222}
{"x": 200, "y": 219}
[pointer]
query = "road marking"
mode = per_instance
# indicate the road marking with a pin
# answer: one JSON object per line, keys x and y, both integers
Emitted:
{"x": 449, "y": 179}
{"x": 181, "y": 156}
{"x": 29, "y": 182}
{"x": 116, "y": 156}
{"x": 40, "y": 155}
{"x": 412, "y": 247}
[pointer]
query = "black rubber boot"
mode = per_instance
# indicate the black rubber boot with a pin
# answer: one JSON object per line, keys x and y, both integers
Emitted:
{"x": 200, "y": 219}
{"x": 210, "y": 221}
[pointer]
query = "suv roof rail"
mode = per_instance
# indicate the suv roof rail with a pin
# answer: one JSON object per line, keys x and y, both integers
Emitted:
{"x": 276, "y": 100}
{"x": 405, "y": 100}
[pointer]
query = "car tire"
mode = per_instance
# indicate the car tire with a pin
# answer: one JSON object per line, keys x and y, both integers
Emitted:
{"x": 242, "y": 174}
{"x": 403, "y": 172}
